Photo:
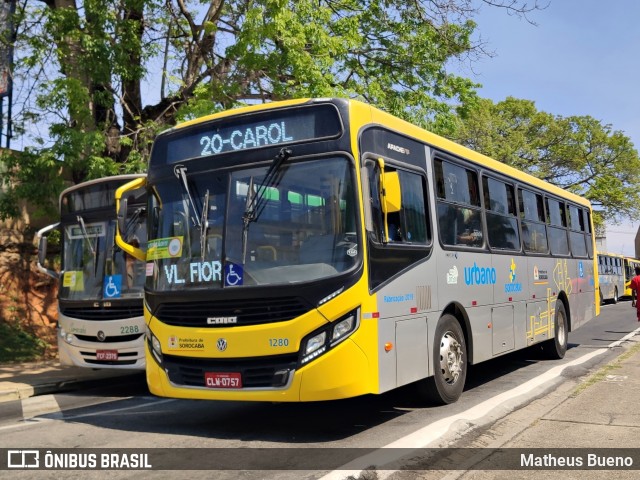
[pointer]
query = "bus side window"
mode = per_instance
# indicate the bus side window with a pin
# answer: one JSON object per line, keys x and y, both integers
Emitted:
{"x": 459, "y": 214}
{"x": 532, "y": 218}
{"x": 556, "y": 227}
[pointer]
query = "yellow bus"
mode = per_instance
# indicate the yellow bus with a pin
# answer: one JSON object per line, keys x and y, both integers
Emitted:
{"x": 317, "y": 249}
{"x": 630, "y": 265}
{"x": 611, "y": 274}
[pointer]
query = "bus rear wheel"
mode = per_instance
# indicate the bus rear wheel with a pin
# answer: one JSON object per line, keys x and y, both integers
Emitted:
{"x": 556, "y": 347}
{"x": 449, "y": 361}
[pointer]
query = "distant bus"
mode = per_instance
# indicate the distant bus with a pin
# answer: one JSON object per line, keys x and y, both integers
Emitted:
{"x": 629, "y": 272}
{"x": 611, "y": 277}
{"x": 321, "y": 249}
{"x": 100, "y": 295}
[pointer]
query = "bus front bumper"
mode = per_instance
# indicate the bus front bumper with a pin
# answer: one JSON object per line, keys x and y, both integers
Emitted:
{"x": 342, "y": 372}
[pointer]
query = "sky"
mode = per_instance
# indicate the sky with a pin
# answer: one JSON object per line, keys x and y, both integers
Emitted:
{"x": 581, "y": 58}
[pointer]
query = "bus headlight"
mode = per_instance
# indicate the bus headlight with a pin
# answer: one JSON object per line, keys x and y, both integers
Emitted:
{"x": 327, "y": 337}
{"x": 343, "y": 328}
{"x": 154, "y": 346}
{"x": 315, "y": 343}
{"x": 66, "y": 336}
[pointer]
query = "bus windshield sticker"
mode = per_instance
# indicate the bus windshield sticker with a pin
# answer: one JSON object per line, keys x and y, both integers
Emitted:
{"x": 112, "y": 286}
{"x": 164, "y": 248}
{"x": 73, "y": 280}
{"x": 233, "y": 275}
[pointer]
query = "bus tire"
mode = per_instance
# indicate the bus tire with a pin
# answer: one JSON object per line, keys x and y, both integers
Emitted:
{"x": 614, "y": 300}
{"x": 449, "y": 362}
{"x": 556, "y": 347}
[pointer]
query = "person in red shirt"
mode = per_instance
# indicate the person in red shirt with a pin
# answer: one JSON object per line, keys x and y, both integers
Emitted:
{"x": 635, "y": 288}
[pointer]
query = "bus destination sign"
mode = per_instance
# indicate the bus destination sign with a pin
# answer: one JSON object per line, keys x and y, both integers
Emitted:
{"x": 248, "y": 132}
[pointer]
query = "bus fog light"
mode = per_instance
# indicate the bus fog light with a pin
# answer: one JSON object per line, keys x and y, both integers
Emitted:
{"x": 343, "y": 328}
{"x": 69, "y": 338}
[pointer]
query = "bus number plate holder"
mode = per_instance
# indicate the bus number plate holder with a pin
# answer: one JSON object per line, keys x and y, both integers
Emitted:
{"x": 107, "y": 355}
{"x": 223, "y": 379}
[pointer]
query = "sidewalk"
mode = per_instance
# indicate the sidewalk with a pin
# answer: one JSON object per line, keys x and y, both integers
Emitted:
{"x": 22, "y": 380}
{"x": 600, "y": 410}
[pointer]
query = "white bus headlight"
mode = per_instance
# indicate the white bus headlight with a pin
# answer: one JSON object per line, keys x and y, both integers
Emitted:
{"x": 315, "y": 343}
{"x": 66, "y": 336}
{"x": 343, "y": 328}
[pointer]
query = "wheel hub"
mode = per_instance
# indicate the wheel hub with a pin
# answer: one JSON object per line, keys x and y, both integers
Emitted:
{"x": 450, "y": 358}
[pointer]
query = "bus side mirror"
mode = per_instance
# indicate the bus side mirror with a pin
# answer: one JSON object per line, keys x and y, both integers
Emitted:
{"x": 391, "y": 195}
{"x": 42, "y": 250}
{"x": 122, "y": 216}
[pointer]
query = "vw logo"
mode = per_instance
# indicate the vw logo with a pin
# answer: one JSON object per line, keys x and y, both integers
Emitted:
{"x": 101, "y": 336}
{"x": 221, "y": 344}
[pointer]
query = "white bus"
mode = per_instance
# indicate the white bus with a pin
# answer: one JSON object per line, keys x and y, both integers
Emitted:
{"x": 100, "y": 289}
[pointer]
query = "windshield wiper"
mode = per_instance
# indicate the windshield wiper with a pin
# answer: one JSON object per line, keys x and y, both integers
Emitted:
{"x": 204, "y": 224}
{"x": 247, "y": 218}
{"x": 83, "y": 229}
{"x": 180, "y": 171}
{"x": 85, "y": 235}
{"x": 257, "y": 201}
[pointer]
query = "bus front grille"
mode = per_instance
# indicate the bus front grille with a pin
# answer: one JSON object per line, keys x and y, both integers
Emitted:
{"x": 229, "y": 313}
{"x": 111, "y": 339}
{"x": 263, "y": 372}
{"x": 102, "y": 313}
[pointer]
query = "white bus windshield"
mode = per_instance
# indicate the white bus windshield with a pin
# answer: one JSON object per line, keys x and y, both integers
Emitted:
{"x": 94, "y": 268}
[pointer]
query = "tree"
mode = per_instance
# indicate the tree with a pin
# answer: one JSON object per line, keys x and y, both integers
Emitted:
{"x": 105, "y": 77}
{"x": 576, "y": 153}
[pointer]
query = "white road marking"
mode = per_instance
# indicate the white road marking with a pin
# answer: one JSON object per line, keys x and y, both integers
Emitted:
{"x": 434, "y": 431}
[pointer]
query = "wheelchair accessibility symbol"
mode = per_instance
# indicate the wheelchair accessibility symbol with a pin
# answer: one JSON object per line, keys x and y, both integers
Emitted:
{"x": 112, "y": 286}
{"x": 233, "y": 275}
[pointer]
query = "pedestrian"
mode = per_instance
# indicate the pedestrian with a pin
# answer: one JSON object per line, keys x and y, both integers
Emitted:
{"x": 635, "y": 288}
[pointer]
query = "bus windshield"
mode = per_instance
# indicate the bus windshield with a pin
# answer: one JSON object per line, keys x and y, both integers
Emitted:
{"x": 94, "y": 267}
{"x": 229, "y": 228}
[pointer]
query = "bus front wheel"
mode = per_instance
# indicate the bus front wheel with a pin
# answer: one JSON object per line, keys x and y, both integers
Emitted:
{"x": 449, "y": 361}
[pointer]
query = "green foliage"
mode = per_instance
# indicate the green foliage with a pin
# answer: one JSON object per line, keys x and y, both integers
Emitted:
{"x": 577, "y": 153}
{"x": 103, "y": 78}
{"x": 18, "y": 345}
